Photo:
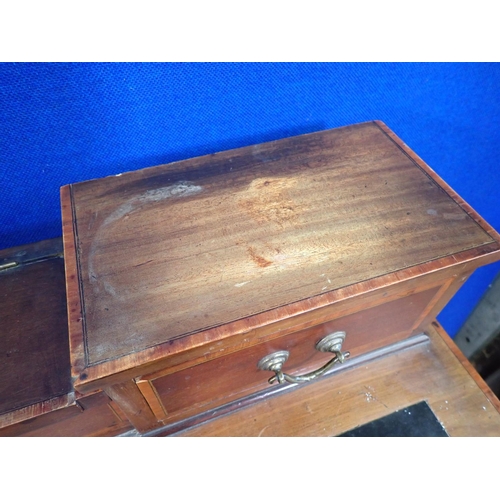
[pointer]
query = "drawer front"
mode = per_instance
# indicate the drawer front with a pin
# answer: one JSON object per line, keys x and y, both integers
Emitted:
{"x": 219, "y": 381}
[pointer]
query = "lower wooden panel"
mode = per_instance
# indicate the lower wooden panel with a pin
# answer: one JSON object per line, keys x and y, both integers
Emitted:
{"x": 90, "y": 416}
{"x": 227, "y": 378}
{"x": 37, "y": 409}
{"x": 429, "y": 372}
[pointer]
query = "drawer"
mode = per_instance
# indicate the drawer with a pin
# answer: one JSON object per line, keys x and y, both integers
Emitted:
{"x": 227, "y": 378}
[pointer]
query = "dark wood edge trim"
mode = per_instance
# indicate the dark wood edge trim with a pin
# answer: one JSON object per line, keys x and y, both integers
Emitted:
{"x": 462, "y": 262}
{"x": 467, "y": 365}
{"x": 75, "y": 316}
{"x": 246, "y": 401}
{"x": 80, "y": 276}
{"x": 440, "y": 182}
{"x": 33, "y": 252}
{"x": 36, "y": 410}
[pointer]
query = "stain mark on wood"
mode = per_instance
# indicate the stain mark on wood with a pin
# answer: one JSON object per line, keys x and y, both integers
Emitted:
{"x": 258, "y": 259}
{"x": 269, "y": 199}
{"x": 177, "y": 190}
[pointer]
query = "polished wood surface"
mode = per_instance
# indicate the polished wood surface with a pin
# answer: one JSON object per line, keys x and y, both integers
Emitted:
{"x": 251, "y": 231}
{"x": 429, "y": 371}
{"x": 35, "y": 362}
{"x": 179, "y": 257}
{"x": 442, "y": 183}
{"x": 35, "y": 410}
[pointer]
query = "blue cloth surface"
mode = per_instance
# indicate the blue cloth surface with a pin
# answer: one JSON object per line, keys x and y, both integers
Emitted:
{"x": 62, "y": 123}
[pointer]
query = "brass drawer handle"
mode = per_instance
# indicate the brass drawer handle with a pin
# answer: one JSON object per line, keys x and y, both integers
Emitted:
{"x": 275, "y": 361}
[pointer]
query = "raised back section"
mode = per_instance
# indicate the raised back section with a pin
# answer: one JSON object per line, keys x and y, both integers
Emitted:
{"x": 176, "y": 249}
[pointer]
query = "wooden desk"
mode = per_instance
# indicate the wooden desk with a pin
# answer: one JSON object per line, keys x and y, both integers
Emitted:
{"x": 183, "y": 282}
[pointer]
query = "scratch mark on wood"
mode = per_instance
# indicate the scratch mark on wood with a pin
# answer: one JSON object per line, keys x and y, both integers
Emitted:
{"x": 241, "y": 284}
{"x": 262, "y": 431}
{"x": 370, "y": 397}
{"x": 143, "y": 263}
{"x": 454, "y": 216}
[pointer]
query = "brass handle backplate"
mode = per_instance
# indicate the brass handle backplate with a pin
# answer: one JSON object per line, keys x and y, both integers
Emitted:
{"x": 275, "y": 361}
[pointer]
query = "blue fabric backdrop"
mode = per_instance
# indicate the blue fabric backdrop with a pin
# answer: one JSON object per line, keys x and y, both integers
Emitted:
{"x": 63, "y": 123}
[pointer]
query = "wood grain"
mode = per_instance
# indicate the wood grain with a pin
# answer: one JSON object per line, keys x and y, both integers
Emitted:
{"x": 440, "y": 301}
{"x": 439, "y": 181}
{"x": 250, "y": 230}
{"x": 74, "y": 309}
{"x": 352, "y": 397}
{"x": 150, "y": 394}
{"x": 36, "y": 394}
{"x": 272, "y": 391}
